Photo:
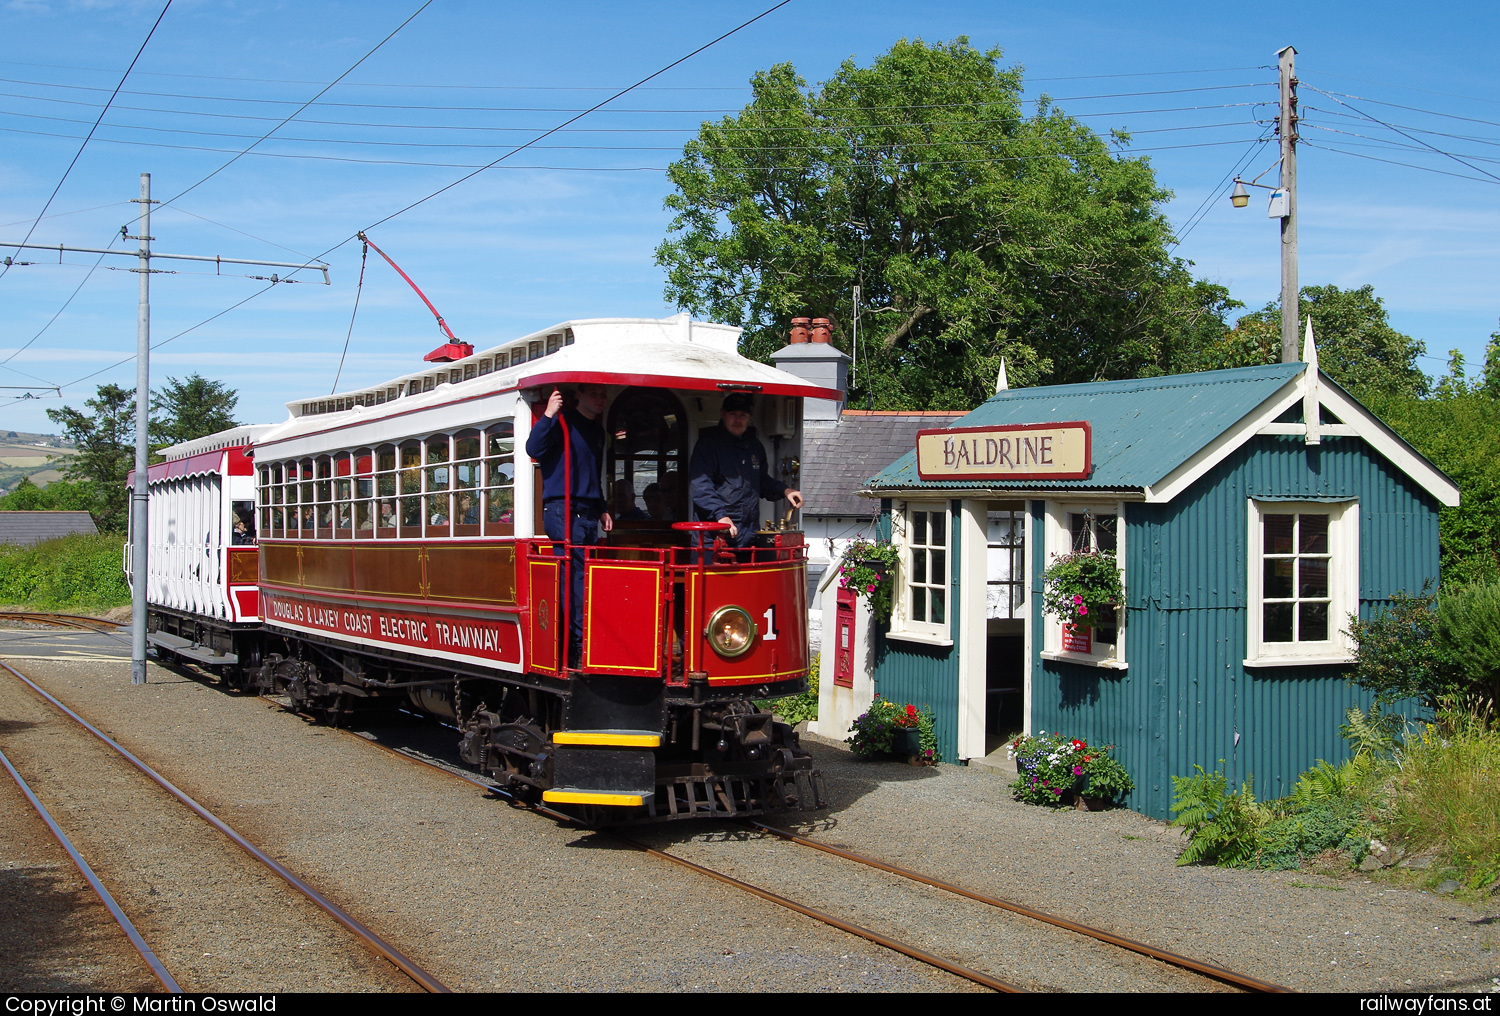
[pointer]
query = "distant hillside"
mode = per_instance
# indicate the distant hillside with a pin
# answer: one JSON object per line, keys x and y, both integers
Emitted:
{"x": 37, "y": 456}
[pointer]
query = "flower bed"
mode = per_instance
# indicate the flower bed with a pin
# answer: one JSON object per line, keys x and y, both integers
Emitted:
{"x": 879, "y": 728}
{"x": 1054, "y": 771}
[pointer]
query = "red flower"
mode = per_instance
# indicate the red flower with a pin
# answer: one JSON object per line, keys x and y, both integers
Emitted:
{"x": 1079, "y": 745}
{"x": 911, "y": 710}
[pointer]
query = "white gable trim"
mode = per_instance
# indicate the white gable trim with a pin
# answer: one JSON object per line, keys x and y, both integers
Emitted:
{"x": 1358, "y": 422}
{"x": 1386, "y": 442}
{"x": 1221, "y": 447}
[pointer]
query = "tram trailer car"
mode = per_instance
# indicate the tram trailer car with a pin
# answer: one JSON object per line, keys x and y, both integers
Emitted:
{"x": 401, "y": 554}
{"x": 203, "y": 588}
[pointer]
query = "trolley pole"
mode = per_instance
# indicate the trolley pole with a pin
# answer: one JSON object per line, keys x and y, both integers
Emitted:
{"x": 138, "y": 518}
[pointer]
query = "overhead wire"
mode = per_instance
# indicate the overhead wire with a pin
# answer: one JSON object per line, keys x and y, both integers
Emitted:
{"x": 1373, "y": 119}
{"x": 435, "y": 193}
{"x": 579, "y": 88}
{"x": 79, "y": 154}
{"x": 299, "y": 109}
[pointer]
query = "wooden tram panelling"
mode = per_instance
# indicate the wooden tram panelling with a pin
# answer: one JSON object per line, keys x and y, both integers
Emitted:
{"x": 494, "y": 639}
{"x": 625, "y": 631}
{"x": 774, "y": 594}
{"x": 478, "y": 572}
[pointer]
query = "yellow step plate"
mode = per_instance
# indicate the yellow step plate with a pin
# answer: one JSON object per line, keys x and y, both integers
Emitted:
{"x": 592, "y": 797}
{"x": 610, "y": 738}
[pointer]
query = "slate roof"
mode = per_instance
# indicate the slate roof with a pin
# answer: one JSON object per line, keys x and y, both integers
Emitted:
{"x": 838, "y": 457}
{"x": 1143, "y": 428}
{"x": 27, "y": 528}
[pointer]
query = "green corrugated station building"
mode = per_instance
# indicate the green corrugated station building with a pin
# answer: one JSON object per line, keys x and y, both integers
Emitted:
{"x": 1251, "y": 510}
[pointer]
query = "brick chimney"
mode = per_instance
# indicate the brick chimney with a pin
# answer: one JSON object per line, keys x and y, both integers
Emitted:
{"x": 817, "y": 362}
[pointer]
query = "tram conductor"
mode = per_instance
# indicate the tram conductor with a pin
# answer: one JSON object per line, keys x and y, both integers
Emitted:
{"x": 728, "y": 475}
{"x": 571, "y": 473}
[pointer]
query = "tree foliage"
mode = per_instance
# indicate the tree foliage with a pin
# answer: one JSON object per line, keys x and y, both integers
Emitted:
{"x": 974, "y": 231}
{"x": 1458, "y": 427}
{"x": 194, "y": 406}
{"x": 1357, "y": 347}
{"x": 105, "y": 440}
{"x": 184, "y": 408}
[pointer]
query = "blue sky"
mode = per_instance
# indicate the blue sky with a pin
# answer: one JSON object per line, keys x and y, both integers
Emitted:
{"x": 568, "y": 229}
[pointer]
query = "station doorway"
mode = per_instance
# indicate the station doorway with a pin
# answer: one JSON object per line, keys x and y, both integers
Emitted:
{"x": 1006, "y": 619}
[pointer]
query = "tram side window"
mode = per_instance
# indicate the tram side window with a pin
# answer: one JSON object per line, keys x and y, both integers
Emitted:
{"x": 324, "y": 502}
{"x": 647, "y": 464}
{"x": 438, "y": 479}
{"x": 386, "y": 479}
{"x": 364, "y": 491}
{"x": 467, "y": 466}
{"x": 305, "y": 500}
{"x": 500, "y": 479}
{"x": 410, "y": 510}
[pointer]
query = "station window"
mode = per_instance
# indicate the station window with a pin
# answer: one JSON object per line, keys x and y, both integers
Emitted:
{"x": 923, "y": 608}
{"x": 1304, "y": 581}
{"x": 1085, "y": 528}
{"x": 1005, "y": 565}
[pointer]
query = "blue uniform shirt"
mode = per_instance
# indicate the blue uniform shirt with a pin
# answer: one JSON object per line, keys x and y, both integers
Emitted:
{"x": 728, "y": 479}
{"x": 545, "y": 444}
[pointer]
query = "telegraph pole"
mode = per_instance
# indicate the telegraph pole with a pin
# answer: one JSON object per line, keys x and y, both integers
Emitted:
{"x": 1287, "y": 128}
{"x": 139, "y": 518}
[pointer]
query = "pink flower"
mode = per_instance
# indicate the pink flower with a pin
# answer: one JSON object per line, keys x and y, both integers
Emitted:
{"x": 1082, "y": 611}
{"x": 1078, "y": 600}
{"x": 1078, "y": 770}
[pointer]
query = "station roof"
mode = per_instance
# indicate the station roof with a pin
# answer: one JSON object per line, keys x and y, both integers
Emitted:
{"x": 28, "y": 528}
{"x": 1153, "y": 435}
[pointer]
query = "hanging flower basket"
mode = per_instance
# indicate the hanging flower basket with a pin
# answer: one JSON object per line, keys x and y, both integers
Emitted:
{"x": 1078, "y": 587}
{"x": 868, "y": 569}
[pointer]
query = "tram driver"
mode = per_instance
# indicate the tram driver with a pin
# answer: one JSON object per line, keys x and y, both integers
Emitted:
{"x": 727, "y": 476}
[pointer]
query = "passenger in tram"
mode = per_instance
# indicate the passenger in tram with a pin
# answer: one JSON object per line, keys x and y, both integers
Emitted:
{"x": 387, "y": 515}
{"x": 571, "y": 483}
{"x": 468, "y": 510}
{"x": 727, "y": 476}
{"x": 242, "y": 535}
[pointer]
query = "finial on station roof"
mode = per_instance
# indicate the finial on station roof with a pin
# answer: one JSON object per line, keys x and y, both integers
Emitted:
{"x": 1312, "y": 411}
{"x": 1002, "y": 384}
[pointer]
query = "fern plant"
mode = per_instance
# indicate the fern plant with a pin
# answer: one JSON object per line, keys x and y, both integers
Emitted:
{"x": 1223, "y": 827}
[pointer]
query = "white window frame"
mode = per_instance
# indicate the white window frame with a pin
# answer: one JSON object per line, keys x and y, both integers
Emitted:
{"x": 1058, "y": 539}
{"x": 1343, "y": 585}
{"x": 902, "y": 625}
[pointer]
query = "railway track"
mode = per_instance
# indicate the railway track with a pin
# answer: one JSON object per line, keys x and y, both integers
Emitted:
{"x": 158, "y": 843}
{"x": 76, "y": 621}
{"x": 893, "y": 939}
{"x": 1165, "y": 957}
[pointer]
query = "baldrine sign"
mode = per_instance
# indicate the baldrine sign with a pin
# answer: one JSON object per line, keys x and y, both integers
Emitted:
{"x": 1032, "y": 451}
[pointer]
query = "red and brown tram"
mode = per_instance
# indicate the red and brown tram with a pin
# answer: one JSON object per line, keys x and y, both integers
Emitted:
{"x": 401, "y": 554}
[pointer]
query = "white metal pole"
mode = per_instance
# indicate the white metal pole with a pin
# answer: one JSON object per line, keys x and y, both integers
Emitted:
{"x": 138, "y": 498}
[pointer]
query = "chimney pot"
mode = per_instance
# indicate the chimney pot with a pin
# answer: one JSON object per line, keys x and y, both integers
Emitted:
{"x": 821, "y": 332}
{"x": 799, "y": 330}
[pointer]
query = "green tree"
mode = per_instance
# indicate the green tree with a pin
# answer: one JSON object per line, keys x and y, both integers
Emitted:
{"x": 185, "y": 408}
{"x": 1357, "y": 347}
{"x": 105, "y": 440}
{"x": 60, "y": 495}
{"x": 973, "y": 230}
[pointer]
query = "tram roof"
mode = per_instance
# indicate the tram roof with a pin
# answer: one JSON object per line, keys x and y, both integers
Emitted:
{"x": 675, "y": 352}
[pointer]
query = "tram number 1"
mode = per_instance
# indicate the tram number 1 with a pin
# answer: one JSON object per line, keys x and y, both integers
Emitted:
{"x": 770, "y": 616}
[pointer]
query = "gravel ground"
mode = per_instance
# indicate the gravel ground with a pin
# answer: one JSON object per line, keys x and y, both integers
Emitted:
{"x": 492, "y": 898}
